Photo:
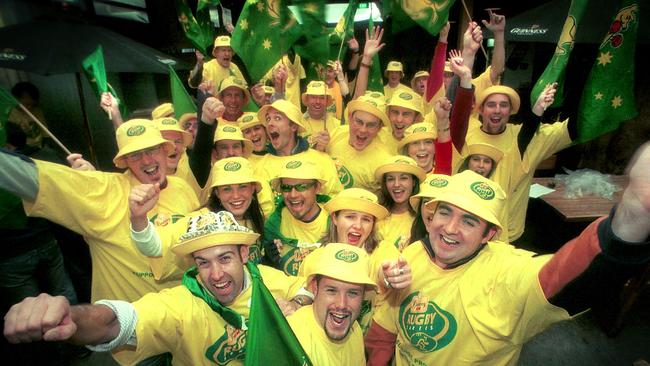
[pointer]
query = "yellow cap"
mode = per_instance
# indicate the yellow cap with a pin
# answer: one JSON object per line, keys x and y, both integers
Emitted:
{"x": 429, "y": 189}
{"x": 317, "y": 88}
{"x": 357, "y": 199}
{"x": 227, "y": 131}
{"x": 500, "y": 89}
{"x": 343, "y": 262}
{"x": 235, "y": 82}
{"x": 485, "y": 149}
{"x": 394, "y": 66}
{"x": 475, "y": 194}
{"x": 448, "y": 67}
{"x": 185, "y": 117}
{"x": 416, "y": 132}
{"x": 163, "y": 110}
{"x": 222, "y": 41}
{"x": 402, "y": 164}
{"x": 298, "y": 168}
{"x": 135, "y": 135}
{"x": 171, "y": 124}
{"x": 285, "y": 107}
{"x": 419, "y": 74}
{"x": 233, "y": 170}
{"x": 371, "y": 102}
{"x": 211, "y": 229}
{"x": 406, "y": 98}
{"x": 248, "y": 120}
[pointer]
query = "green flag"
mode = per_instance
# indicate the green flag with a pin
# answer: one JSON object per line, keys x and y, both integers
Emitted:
{"x": 7, "y": 103}
{"x": 608, "y": 96}
{"x": 555, "y": 70}
{"x": 343, "y": 31}
{"x": 205, "y": 4}
{"x": 428, "y": 14}
{"x": 94, "y": 69}
{"x": 375, "y": 81}
{"x": 199, "y": 30}
{"x": 181, "y": 99}
{"x": 313, "y": 43}
{"x": 269, "y": 339}
{"x": 264, "y": 32}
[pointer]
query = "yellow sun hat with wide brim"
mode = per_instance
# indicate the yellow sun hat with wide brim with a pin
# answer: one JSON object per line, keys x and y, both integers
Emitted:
{"x": 211, "y": 229}
{"x": 229, "y": 131}
{"x": 515, "y": 102}
{"x": 248, "y": 120}
{"x": 406, "y": 98}
{"x": 298, "y": 168}
{"x": 185, "y": 117}
{"x": 171, "y": 124}
{"x": 235, "y": 82}
{"x": 135, "y": 135}
{"x": 394, "y": 66}
{"x": 222, "y": 41}
{"x": 371, "y": 102}
{"x": 285, "y": 107}
{"x": 473, "y": 193}
{"x": 485, "y": 149}
{"x": 416, "y": 132}
{"x": 163, "y": 110}
{"x": 402, "y": 164}
{"x": 357, "y": 199}
{"x": 431, "y": 186}
{"x": 317, "y": 88}
{"x": 233, "y": 170}
{"x": 343, "y": 262}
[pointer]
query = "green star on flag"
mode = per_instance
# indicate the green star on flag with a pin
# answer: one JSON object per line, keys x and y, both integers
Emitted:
{"x": 608, "y": 96}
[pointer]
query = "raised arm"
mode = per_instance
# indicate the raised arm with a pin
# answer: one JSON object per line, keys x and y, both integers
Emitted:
{"x": 111, "y": 106}
{"x": 211, "y": 110}
{"x": 370, "y": 49}
{"x": 435, "y": 81}
{"x": 462, "y": 101}
{"x": 196, "y": 74}
{"x": 497, "y": 25}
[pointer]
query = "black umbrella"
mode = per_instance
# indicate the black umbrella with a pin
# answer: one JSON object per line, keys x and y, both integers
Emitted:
{"x": 49, "y": 47}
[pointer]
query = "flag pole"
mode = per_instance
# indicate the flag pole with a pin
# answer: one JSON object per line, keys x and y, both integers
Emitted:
{"x": 44, "y": 128}
{"x": 470, "y": 18}
{"x": 338, "y": 58}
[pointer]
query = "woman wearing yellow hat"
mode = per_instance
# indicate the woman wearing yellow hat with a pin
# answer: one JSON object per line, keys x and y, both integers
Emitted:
{"x": 400, "y": 177}
{"x": 483, "y": 159}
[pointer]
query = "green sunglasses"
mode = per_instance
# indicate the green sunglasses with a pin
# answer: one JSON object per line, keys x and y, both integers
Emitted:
{"x": 300, "y": 187}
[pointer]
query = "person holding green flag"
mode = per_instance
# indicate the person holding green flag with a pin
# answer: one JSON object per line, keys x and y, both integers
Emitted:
{"x": 201, "y": 322}
{"x": 217, "y": 69}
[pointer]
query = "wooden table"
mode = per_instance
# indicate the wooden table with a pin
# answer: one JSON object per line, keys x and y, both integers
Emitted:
{"x": 587, "y": 208}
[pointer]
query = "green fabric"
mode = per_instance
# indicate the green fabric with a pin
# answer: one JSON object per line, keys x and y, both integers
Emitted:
{"x": 181, "y": 99}
{"x": 95, "y": 72}
{"x": 264, "y": 32}
{"x": 12, "y": 214}
{"x": 313, "y": 43}
{"x": 7, "y": 103}
{"x": 608, "y": 96}
{"x": 429, "y": 14}
{"x": 269, "y": 339}
{"x": 344, "y": 30}
{"x": 205, "y": 4}
{"x": 198, "y": 30}
{"x": 556, "y": 69}
{"x": 375, "y": 81}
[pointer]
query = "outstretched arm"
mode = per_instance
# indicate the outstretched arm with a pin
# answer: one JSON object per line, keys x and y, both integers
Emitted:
{"x": 497, "y": 25}
{"x": 371, "y": 48}
{"x": 436, "y": 72}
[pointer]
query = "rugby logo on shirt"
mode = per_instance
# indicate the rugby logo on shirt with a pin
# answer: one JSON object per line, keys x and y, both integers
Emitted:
{"x": 136, "y": 130}
{"x": 290, "y": 262}
{"x": 346, "y": 256}
{"x": 426, "y": 325}
{"x": 232, "y": 166}
{"x": 438, "y": 182}
{"x": 230, "y": 346}
{"x": 483, "y": 190}
{"x": 345, "y": 177}
{"x": 293, "y": 164}
{"x": 229, "y": 129}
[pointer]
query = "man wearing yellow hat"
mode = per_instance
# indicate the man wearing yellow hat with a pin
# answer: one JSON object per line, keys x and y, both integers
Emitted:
{"x": 419, "y": 82}
{"x": 328, "y": 329}
{"x": 177, "y": 161}
{"x": 201, "y": 321}
{"x": 394, "y": 73}
{"x": 255, "y": 131}
{"x": 403, "y": 109}
{"x": 317, "y": 122}
{"x": 217, "y": 69}
{"x": 473, "y": 299}
{"x": 95, "y": 205}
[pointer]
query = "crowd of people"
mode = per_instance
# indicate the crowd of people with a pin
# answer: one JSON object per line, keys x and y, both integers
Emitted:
{"x": 383, "y": 223}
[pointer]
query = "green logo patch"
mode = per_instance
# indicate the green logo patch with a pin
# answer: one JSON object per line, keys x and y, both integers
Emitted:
{"x": 345, "y": 177}
{"x": 438, "y": 182}
{"x": 229, "y": 129}
{"x": 347, "y": 256}
{"x": 375, "y": 95}
{"x": 293, "y": 164}
{"x": 136, "y": 130}
{"x": 420, "y": 129}
{"x": 426, "y": 325}
{"x": 483, "y": 190}
{"x": 248, "y": 118}
{"x": 232, "y": 166}
{"x": 405, "y": 96}
{"x": 238, "y": 81}
{"x": 168, "y": 121}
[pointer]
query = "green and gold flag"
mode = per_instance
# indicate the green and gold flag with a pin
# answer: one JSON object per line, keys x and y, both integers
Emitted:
{"x": 375, "y": 81}
{"x": 205, "y": 4}
{"x": 555, "y": 70}
{"x": 7, "y": 103}
{"x": 198, "y": 30}
{"x": 264, "y": 32}
{"x": 344, "y": 30}
{"x": 428, "y": 14}
{"x": 313, "y": 44}
{"x": 608, "y": 96}
{"x": 181, "y": 99}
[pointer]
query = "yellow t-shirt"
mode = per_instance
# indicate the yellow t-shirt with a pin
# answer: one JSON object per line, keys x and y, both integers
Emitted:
{"x": 337, "y": 106}
{"x": 176, "y": 321}
{"x": 255, "y": 158}
{"x": 388, "y": 91}
{"x": 396, "y": 229}
{"x": 270, "y": 165}
{"x": 95, "y": 205}
{"x": 295, "y": 72}
{"x": 308, "y": 235}
{"x": 356, "y": 168}
{"x": 389, "y": 141}
{"x": 481, "y": 312}
{"x": 313, "y": 126}
{"x": 320, "y": 349}
{"x": 184, "y": 172}
{"x": 215, "y": 72}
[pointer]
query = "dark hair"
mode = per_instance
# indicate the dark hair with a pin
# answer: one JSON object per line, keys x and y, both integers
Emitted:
{"x": 418, "y": 229}
{"x": 25, "y": 87}
{"x": 332, "y": 237}
{"x": 15, "y": 135}
{"x": 465, "y": 165}
{"x": 386, "y": 200}
{"x": 253, "y": 213}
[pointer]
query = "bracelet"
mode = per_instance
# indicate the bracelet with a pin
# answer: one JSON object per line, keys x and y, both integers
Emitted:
{"x": 365, "y": 65}
{"x": 444, "y": 129}
{"x": 388, "y": 285}
{"x": 298, "y": 301}
{"x": 356, "y": 52}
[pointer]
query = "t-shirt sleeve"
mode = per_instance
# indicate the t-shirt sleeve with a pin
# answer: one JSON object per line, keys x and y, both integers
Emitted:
{"x": 549, "y": 139}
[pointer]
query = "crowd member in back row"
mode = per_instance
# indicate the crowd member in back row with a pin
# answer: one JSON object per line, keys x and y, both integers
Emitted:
{"x": 318, "y": 123}
{"x": 217, "y": 69}
{"x": 394, "y": 73}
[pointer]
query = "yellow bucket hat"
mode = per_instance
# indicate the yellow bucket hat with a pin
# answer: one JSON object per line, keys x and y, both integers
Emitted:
{"x": 485, "y": 149}
{"x": 473, "y": 193}
{"x": 229, "y": 131}
{"x": 371, "y": 102}
{"x": 235, "y": 82}
{"x": 285, "y": 107}
{"x": 429, "y": 189}
{"x": 185, "y": 117}
{"x": 135, "y": 135}
{"x": 515, "y": 102}
{"x": 407, "y": 99}
{"x": 394, "y": 66}
{"x": 211, "y": 229}
{"x": 400, "y": 163}
{"x": 419, "y": 74}
{"x": 343, "y": 262}
{"x": 357, "y": 199}
{"x": 317, "y": 88}
{"x": 298, "y": 168}
{"x": 233, "y": 170}
{"x": 222, "y": 41}
{"x": 163, "y": 110}
{"x": 416, "y": 132}
{"x": 248, "y": 120}
{"x": 268, "y": 89}
{"x": 171, "y": 124}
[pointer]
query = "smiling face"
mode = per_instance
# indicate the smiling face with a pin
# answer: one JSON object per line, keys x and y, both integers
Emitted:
{"x": 257, "y": 135}
{"x": 316, "y": 106}
{"x": 400, "y": 186}
{"x": 233, "y": 100}
{"x": 281, "y": 131}
{"x": 236, "y": 198}
{"x": 481, "y": 164}
{"x": 364, "y": 127}
{"x": 400, "y": 119}
{"x": 423, "y": 152}
{"x": 223, "y": 55}
{"x": 228, "y": 149}
{"x": 353, "y": 227}
{"x": 221, "y": 269}
{"x": 173, "y": 158}
{"x": 301, "y": 205}
{"x": 455, "y": 234}
{"x": 337, "y": 305}
{"x": 495, "y": 113}
{"x": 149, "y": 165}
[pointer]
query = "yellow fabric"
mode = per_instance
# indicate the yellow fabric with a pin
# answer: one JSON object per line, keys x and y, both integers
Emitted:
{"x": 270, "y": 165}
{"x": 480, "y": 313}
{"x": 356, "y": 168}
{"x": 176, "y": 321}
{"x": 389, "y": 141}
{"x": 337, "y": 106}
{"x": 320, "y": 349}
{"x": 184, "y": 172}
{"x": 95, "y": 205}
{"x": 388, "y": 91}
{"x": 313, "y": 126}
{"x": 31, "y": 129}
{"x": 308, "y": 235}
{"x": 254, "y": 159}
{"x": 215, "y": 72}
{"x": 295, "y": 72}
{"x": 396, "y": 229}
